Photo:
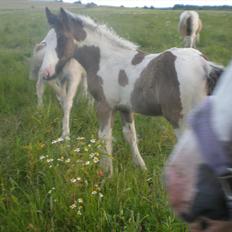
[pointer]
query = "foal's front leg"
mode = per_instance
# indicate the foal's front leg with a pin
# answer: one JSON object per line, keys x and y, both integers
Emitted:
{"x": 130, "y": 136}
{"x": 105, "y": 117}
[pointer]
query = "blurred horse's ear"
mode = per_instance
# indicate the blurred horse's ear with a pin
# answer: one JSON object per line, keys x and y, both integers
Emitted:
{"x": 52, "y": 19}
{"x": 64, "y": 17}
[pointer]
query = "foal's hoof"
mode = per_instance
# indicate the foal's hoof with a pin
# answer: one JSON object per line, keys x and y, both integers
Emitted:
{"x": 106, "y": 165}
{"x": 61, "y": 139}
{"x": 143, "y": 167}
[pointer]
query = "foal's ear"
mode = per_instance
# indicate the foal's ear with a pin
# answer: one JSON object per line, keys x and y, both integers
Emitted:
{"x": 64, "y": 17}
{"x": 52, "y": 19}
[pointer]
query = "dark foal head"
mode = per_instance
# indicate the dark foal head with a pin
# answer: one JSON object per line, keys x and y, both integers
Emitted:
{"x": 194, "y": 191}
{"x": 200, "y": 158}
{"x": 69, "y": 31}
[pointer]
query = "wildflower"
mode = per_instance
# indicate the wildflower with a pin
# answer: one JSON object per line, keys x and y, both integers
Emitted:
{"x": 87, "y": 163}
{"x": 50, "y": 160}
{"x": 79, "y": 212}
{"x": 94, "y": 192}
{"x": 80, "y": 138}
{"x": 86, "y": 149}
{"x": 95, "y": 160}
{"x": 78, "y": 179}
{"x": 42, "y": 157}
{"x": 67, "y": 160}
{"x": 51, "y": 190}
{"x": 61, "y": 159}
{"x": 73, "y": 206}
{"x": 96, "y": 154}
{"x": 57, "y": 140}
{"x": 73, "y": 180}
{"x": 50, "y": 166}
{"x": 89, "y": 145}
{"x": 93, "y": 140}
{"x": 77, "y": 149}
{"x": 97, "y": 187}
{"x": 80, "y": 200}
{"x": 91, "y": 155}
{"x": 101, "y": 195}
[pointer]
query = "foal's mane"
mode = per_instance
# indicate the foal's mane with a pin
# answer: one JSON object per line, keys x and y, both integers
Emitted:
{"x": 104, "y": 30}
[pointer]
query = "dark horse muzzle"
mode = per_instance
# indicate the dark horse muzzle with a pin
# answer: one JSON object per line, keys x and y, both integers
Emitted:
{"x": 213, "y": 196}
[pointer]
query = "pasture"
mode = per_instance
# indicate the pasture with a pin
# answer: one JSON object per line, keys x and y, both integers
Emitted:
{"x": 59, "y": 187}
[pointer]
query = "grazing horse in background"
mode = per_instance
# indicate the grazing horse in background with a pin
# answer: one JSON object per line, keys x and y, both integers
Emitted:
{"x": 198, "y": 173}
{"x": 65, "y": 84}
{"x": 122, "y": 78}
{"x": 190, "y": 27}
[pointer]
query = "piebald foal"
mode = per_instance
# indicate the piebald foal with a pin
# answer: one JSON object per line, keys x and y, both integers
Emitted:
{"x": 65, "y": 84}
{"x": 190, "y": 27}
{"x": 193, "y": 185}
{"x": 122, "y": 78}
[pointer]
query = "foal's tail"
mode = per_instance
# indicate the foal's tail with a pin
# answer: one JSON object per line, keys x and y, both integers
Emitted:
{"x": 214, "y": 73}
{"x": 189, "y": 26}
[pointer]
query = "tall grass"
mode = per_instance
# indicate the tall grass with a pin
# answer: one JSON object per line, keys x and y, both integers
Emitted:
{"x": 45, "y": 187}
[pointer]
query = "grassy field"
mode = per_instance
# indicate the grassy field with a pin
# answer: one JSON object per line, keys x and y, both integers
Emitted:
{"x": 45, "y": 187}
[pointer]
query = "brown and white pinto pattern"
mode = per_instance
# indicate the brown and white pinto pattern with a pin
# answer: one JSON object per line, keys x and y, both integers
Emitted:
{"x": 65, "y": 84}
{"x": 190, "y": 27}
{"x": 122, "y": 78}
{"x": 194, "y": 190}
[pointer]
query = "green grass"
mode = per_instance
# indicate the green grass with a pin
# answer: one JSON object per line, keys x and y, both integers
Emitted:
{"x": 36, "y": 189}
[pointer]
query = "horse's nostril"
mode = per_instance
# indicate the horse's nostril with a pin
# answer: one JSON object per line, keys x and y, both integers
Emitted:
{"x": 204, "y": 225}
{"x": 187, "y": 217}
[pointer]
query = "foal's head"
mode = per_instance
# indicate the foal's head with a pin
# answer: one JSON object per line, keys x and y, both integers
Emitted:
{"x": 195, "y": 191}
{"x": 69, "y": 31}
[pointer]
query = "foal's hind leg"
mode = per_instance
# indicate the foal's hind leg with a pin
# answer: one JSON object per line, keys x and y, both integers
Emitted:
{"x": 60, "y": 89}
{"x": 73, "y": 83}
{"x": 40, "y": 90}
{"x": 130, "y": 136}
{"x": 105, "y": 117}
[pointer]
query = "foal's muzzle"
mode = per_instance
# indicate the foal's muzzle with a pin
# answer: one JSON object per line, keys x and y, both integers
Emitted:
{"x": 209, "y": 200}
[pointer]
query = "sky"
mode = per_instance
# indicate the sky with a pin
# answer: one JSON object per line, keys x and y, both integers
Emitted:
{"x": 155, "y": 3}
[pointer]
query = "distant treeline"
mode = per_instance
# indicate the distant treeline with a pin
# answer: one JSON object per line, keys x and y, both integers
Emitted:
{"x": 175, "y": 7}
{"x": 192, "y": 7}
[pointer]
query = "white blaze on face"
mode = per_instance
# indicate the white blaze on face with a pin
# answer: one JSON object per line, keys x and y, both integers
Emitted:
{"x": 50, "y": 55}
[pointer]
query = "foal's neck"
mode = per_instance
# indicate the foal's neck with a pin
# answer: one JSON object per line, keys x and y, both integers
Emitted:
{"x": 110, "y": 46}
